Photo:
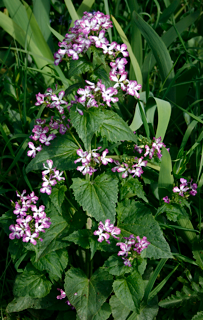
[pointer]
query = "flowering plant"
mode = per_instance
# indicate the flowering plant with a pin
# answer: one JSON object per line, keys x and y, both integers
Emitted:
{"x": 101, "y": 231}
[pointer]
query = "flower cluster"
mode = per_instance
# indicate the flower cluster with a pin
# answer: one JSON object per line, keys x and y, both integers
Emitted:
{"x": 86, "y": 31}
{"x": 91, "y": 159}
{"x": 63, "y": 295}
{"x": 50, "y": 176}
{"x": 106, "y": 230}
{"x": 129, "y": 248}
{"x": 43, "y": 132}
{"x": 151, "y": 149}
{"x": 90, "y": 31}
{"x": 30, "y": 219}
{"x": 184, "y": 190}
{"x": 134, "y": 169}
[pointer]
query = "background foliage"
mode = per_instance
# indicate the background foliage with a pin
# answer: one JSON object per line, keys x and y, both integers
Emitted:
{"x": 165, "y": 44}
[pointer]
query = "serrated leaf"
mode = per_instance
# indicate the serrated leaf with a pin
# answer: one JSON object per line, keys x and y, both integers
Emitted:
{"x": 119, "y": 310}
{"x": 115, "y": 266}
{"x": 146, "y": 312}
{"x": 114, "y": 128}
{"x": 62, "y": 151}
{"x": 80, "y": 237}
{"x": 103, "y": 313}
{"x": 98, "y": 197}
{"x": 173, "y": 211}
{"x": 86, "y": 125}
{"x": 130, "y": 290}
{"x": 49, "y": 302}
{"x": 78, "y": 67}
{"x": 132, "y": 187}
{"x": 91, "y": 293}
{"x": 57, "y": 197}
{"x": 31, "y": 282}
{"x": 52, "y": 237}
{"x": 181, "y": 298}
{"x": 135, "y": 218}
{"x": 54, "y": 263}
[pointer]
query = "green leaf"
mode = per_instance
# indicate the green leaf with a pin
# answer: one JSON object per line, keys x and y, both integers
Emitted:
{"x": 115, "y": 266}
{"x": 173, "y": 211}
{"x": 198, "y": 316}
{"x": 57, "y": 197}
{"x": 71, "y": 10}
{"x": 130, "y": 290}
{"x": 53, "y": 237}
{"x": 54, "y": 263}
{"x": 98, "y": 197}
{"x": 103, "y": 313}
{"x": 159, "y": 50}
{"x": 164, "y": 114}
{"x": 86, "y": 125}
{"x": 86, "y": 5}
{"x": 62, "y": 151}
{"x": 119, "y": 310}
{"x": 91, "y": 293}
{"x": 77, "y": 67}
{"x": 114, "y": 128}
{"x": 80, "y": 237}
{"x": 165, "y": 177}
{"x": 132, "y": 187}
{"x": 31, "y": 282}
{"x": 135, "y": 218}
{"x": 134, "y": 62}
{"x": 41, "y": 10}
{"x": 168, "y": 38}
{"x": 146, "y": 312}
{"x": 49, "y": 302}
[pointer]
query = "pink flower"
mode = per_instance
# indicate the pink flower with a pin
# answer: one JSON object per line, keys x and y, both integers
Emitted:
{"x": 34, "y": 150}
{"x": 62, "y": 295}
{"x": 141, "y": 244}
{"x": 102, "y": 236}
{"x": 103, "y": 158}
{"x": 49, "y": 168}
{"x": 132, "y": 88}
{"x": 166, "y": 199}
{"x": 123, "y": 49}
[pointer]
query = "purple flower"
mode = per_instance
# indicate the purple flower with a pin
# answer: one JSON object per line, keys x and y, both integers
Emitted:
{"x": 141, "y": 244}
{"x": 49, "y": 168}
{"x": 132, "y": 88}
{"x": 103, "y": 158}
{"x": 62, "y": 295}
{"x": 85, "y": 157}
{"x": 34, "y": 150}
{"x": 125, "y": 248}
{"x": 166, "y": 199}
{"x": 181, "y": 190}
{"x": 102, "y": 236}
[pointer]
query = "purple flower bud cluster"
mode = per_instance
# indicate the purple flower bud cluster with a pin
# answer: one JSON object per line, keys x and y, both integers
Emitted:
{"x": 130, "y": 246}
{"x": 41, "y": 129}
{"x": 91, "y": 159}
{"x": 106, "y": 230}
{"x": 51, "y": 100}
{"x": 30, "y": 219}
{"x": 50, "y": 176}
{"x": 127, "y": 248}
{"x": 63, "y": 295}
{"x": 184, "y": 190}
{"x": 134, "y": 169}
{"x": 153, "y": 149}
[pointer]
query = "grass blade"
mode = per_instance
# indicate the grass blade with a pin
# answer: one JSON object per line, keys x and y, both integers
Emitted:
{"x": 86, "y": 5}
{"x": 168, "y": 38}
{"x": 41, "y": 11}
{"x": 165, "y": 181}
{"x": 159, "y": 50}
{"x": 153, "y": 278}
{"x": 106, "y": 6}
{"x": 158, "y": 288}
{"x": 71, "y": 10}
